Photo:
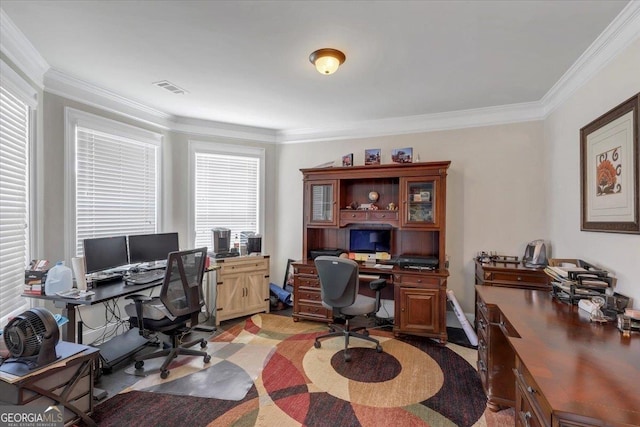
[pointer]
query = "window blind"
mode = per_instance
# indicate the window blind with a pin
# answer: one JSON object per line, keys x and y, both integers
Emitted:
{"x": 116, "y": 186}
{"x": 226, "y": 195}
{"x": 14, "y": 203}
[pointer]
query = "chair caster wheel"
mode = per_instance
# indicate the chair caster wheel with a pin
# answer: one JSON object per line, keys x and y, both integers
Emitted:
{"x": 164, "y": 374}
{"x": 379, "y": 349}
{"x": 139, "y": 364}
{"x": 203, "y": 344}
{"x": 317, "y": 344}
{"x": 207, "y": 359}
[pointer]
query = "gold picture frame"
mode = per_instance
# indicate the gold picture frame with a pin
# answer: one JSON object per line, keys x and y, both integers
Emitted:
{"x": 610, "y": 182}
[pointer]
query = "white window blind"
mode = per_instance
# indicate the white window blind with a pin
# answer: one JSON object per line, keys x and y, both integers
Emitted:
{"x": 116, "y": 186}
{"x": 227, "y": 194}
{"x": 14, "y": 203}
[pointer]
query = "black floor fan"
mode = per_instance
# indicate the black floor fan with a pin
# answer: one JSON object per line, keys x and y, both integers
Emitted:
{"x": 31, "y": 338}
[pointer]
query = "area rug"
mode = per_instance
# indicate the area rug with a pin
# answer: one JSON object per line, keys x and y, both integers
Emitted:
{"x": 265, "y": 371}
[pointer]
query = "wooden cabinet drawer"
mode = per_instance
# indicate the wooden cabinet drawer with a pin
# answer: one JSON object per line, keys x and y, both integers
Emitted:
{"x": 353, "y": 215}
{"x": 244, "y": 267}
{"x": 305, "y": 295}
{"x": 528, "y": 393}
{"x": 416, "y": 280}
{"x": 313, "y": 310}
{"x": 512, "y": 277}
{"x": 383, "y": 215}
{"x": 309, "y": 270}
{"x": 306, "y": 282}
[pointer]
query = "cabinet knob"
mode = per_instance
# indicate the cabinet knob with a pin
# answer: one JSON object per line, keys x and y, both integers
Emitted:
{"x": 531, "y": 390}
{"x": 519, "y": 278}
{"x": 353, "y": 215}
{"x": 384, "y": 216}
{"x": 525, "y": 417}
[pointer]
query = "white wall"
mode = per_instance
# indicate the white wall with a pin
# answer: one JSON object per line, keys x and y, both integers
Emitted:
{"x": 496, "y": 194}
{"x": 618, "y": 253}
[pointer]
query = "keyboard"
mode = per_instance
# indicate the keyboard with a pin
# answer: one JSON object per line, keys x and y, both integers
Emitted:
{"x": 144, "y": 277}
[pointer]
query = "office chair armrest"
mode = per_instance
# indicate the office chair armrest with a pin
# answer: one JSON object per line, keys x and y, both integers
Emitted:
{"x": 138, "y": 301}
{"x": 378, "y": 284}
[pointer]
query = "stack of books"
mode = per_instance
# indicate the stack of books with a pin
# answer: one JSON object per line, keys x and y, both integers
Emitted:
{"x": 575, "y": 281}
{"x": 35, "y": 276}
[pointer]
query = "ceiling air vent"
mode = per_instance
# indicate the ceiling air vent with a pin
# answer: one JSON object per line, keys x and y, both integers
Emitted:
{"x": 165, "y": 84}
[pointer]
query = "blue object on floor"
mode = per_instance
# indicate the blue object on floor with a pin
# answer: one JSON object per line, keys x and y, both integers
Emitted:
{"x": 283, "y": 295}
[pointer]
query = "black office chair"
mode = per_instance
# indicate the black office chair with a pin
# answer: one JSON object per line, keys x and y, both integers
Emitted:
{"x": 339, "y": 289}
{"x": 181, "y": 299}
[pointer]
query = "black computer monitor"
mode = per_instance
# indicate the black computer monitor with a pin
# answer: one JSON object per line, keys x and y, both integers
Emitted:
{"x": 104, "y": 253}
{"x": 369, "y": 241}
{"x": 152, "y": 247}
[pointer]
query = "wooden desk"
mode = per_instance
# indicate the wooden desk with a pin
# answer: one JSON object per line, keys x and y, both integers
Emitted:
{"x": 105, "y": 292}
{"x": 565, "y": 370}
{"x": 67, "y": 382}
{"x": 420, "y": 298}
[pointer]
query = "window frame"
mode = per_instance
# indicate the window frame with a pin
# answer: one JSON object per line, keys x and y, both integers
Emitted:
{"x": 75, "y": 118}
{"x": 213, "y": 147}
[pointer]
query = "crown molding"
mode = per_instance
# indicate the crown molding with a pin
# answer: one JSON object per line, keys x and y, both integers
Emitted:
{"x": 618, "y": 35}
{"x": 622, "y": 31}
{"x": 64, "y": 85}
{"x": 15, "y": 45}
{"x": 70, "y": 87}
{"x": 202, "y": 127}
{"x": 504, "y": 114}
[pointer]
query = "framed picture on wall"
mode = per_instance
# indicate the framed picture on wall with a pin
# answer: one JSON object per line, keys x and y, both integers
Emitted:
{"x": 372, "y": 156}
{"x": 347, "y": 160}
{"x": 610, "y": 182}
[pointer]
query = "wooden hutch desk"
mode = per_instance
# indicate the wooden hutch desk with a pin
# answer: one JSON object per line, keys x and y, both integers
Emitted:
{"x": 412, "y": 204}
{"x": 556, "y": 367}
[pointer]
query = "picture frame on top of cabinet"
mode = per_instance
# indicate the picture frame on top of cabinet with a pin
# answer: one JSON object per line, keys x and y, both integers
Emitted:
{"x": 402, "y": 155}
{"x": 610, "y": 179}
{"x": 347, "y": 160}
{"x": 372, "y": 156}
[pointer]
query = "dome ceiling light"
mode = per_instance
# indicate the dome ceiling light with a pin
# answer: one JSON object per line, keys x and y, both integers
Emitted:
{"x": 327, "y": 60}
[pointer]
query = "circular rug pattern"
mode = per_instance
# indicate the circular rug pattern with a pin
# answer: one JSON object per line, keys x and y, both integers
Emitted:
{"x": 413, "y": 382}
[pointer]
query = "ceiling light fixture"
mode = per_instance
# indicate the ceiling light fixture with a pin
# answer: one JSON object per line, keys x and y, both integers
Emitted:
{"x": 327, "y": 60}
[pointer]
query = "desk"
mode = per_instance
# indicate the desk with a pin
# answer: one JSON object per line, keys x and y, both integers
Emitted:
{"x": 555, "y": 366}
{"x": 103, "y": 293}
{"x": 420, "y": 297}
{"x": 67, "y": 382}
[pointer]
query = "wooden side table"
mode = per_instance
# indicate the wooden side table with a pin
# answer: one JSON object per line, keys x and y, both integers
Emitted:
{"x": 67, "y": 382}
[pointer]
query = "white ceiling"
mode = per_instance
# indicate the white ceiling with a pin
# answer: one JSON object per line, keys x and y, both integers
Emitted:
{"x": 246, "y": 62}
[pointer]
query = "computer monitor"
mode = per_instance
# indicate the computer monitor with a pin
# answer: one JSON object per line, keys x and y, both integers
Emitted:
{"x": 104, "y": 253}
{"x": 152, "y": 247}
{"x": 369, "y": 241}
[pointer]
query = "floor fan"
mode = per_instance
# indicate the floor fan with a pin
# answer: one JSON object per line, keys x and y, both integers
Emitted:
{"x": 31, "y": 338}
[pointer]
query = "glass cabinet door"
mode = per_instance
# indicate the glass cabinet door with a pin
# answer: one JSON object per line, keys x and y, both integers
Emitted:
{"x": 322, "y": 196}
{"x": 420, "y": 202}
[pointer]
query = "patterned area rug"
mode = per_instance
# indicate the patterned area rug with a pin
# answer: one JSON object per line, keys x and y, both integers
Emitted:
{"x": 265, "y": 371}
